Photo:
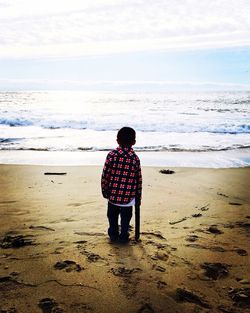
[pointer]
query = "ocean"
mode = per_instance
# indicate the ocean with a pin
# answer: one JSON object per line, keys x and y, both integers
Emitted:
{"x": 176, "y": 124}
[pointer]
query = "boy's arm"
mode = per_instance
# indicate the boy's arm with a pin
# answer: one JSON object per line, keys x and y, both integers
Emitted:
{"x": 139, "y": 185}
{"x": 106, "y": 177}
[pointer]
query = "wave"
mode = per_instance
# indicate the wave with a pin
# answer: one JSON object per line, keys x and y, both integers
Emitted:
{"x": 150, "y": 126}
{"x": 11, "y": 140}
{"x": 138, "y": 149}
{"x": 15, "y": 122}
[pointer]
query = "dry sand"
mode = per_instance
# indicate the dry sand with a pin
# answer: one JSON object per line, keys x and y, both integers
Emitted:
{"x": 55, "y": 255}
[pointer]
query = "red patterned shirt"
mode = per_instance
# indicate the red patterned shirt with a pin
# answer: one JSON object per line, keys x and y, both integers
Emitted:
{"x": 121, "y": 176}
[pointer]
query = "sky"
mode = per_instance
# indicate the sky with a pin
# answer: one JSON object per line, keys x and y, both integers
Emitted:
{"x": 138, "y": 45}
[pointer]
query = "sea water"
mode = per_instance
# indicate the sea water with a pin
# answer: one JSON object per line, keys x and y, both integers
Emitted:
{"x": 179, "y": 126}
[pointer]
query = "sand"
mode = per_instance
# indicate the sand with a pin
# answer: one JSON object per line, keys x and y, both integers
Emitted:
{"x": 55, "y": 255}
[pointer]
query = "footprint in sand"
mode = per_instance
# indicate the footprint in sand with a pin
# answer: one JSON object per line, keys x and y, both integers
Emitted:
{"x": 91, "y": 257}
{"x": 80, "y": 242}
{"x": 124, "y": 272}
{"x": 197, "y": 215}
{"x": 159, "y": 268}
{"x": 211, "y": 248}
{"x": 241, "y": 252}
{"x": 155, "y": 234}
{"x": 10, "y": 310}
{"x": 241, "y": 297}
{"x": 15, "y": 241}
{"x": 146, "y": 308}
{"x": 83, "y": 233}
{"x": 84, "y": 307}
{"x": 204, "y": 208}
{"x": 49, "y": 305}
{"x": 215, "y": 270}
{"x": 243, "y": 224}
{"x": 68, "y": 220}
{"x": 68, "y": 266}
{"x": 192, "y": 238}
{"x": 184, "y": 295}
{"x": 161, "y": 284}
{"x": 75, "y": 204}
{"x": 41, "y": 228}
{"x": 178, "y": 221}
{"x": 8, "y": 202}
{"x": 214, "y": 230}
{"x": 222, "y": 194}
{"x": 156, "y": 244}
{"x": 159, "y": 255}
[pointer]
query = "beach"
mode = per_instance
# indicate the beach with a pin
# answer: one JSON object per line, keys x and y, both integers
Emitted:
{"x": 55, "y": 255}
{"x": 93, "y": 92}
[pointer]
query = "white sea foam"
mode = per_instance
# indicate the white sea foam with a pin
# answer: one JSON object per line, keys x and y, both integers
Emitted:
{"x": 78, "y": 121}
{"x": 215, "y": 159}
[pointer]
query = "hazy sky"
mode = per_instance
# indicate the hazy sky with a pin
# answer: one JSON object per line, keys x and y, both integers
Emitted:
{"x": 124, "y": 44}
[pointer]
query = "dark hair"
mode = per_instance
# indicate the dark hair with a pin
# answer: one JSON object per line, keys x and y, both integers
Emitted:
{"x": 126, "y": 136}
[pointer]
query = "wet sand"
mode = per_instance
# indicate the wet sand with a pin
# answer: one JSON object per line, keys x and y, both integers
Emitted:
{"x": 55, "y": 255}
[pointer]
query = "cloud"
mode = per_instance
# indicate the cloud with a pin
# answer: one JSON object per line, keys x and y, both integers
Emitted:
{"x": 78, "y": 28}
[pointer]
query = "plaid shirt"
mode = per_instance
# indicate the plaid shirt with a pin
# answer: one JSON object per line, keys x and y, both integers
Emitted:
{"x": 121, "y": 177}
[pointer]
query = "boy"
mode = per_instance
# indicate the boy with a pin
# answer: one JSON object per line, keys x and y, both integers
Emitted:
{"x": 122, "y": 183}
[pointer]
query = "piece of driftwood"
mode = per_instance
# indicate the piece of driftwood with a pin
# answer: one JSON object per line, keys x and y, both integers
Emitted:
{"x": 54, "y": 173}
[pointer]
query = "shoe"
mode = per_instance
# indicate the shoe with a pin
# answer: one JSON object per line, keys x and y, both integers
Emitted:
{"x": 113, "y": 239}
{"x": 123, "y": 240}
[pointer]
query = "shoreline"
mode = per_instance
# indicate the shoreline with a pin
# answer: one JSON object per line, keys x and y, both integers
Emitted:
{"x": 193, "y": 255}
{"x": 211, "y": 159}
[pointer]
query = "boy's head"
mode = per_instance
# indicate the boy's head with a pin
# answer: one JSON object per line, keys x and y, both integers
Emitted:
{"x": 126, "y": 137}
